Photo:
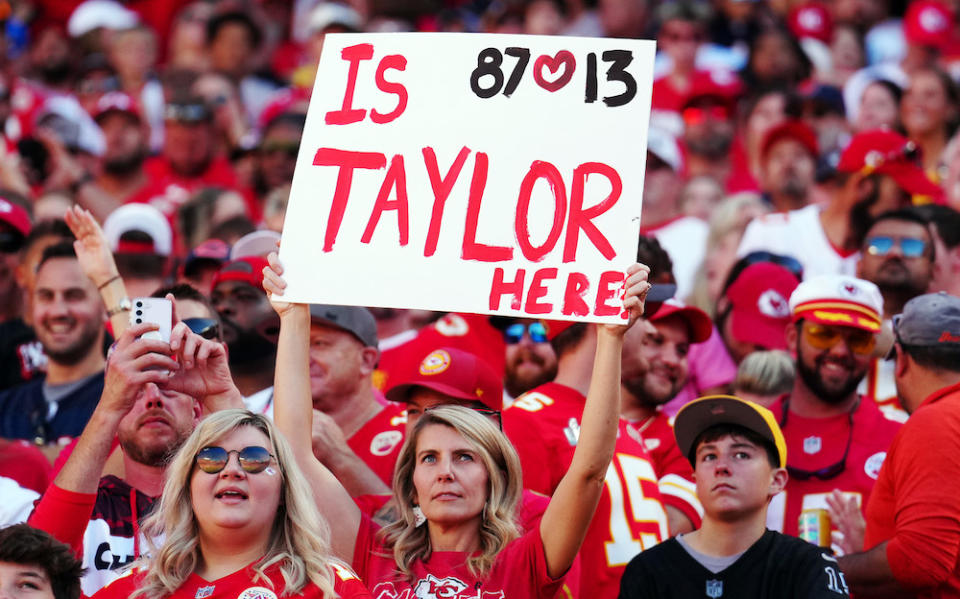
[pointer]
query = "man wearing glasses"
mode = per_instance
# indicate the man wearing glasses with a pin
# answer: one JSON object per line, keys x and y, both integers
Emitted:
{"x": 530, "y": 359}
{"x": 835, "y": 441}
{"x": 912, "y": 531}
{"x": 898, "y": 256}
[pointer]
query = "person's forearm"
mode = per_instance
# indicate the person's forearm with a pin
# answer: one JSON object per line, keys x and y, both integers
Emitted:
{"x": 601, "y": 412}
{"x": 868, "y": 573}
{"x": 293, "y": 406}
{"x": 113, "y": 293}
{"x": 222, "y": 401}
{"x": 82, "y": 471}
{"x": 354, "y": 474}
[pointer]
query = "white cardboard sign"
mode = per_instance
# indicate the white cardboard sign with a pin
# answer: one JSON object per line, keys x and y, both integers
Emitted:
{"x": 493, "y": 174}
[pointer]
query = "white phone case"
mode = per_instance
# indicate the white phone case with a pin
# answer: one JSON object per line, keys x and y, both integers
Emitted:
{"x": 158, "y": 311}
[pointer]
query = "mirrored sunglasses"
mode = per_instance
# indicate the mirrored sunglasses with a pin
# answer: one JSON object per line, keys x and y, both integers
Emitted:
{"x": 514, "y": 333}
{"x": 252, "y": 459}
{"x": 910, "y": 247}
{"x": 207, "y": 328}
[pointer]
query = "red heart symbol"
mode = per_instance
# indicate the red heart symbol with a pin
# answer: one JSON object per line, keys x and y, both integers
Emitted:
{"x": 850, "y": 289}
{"x": 563, "y": 59}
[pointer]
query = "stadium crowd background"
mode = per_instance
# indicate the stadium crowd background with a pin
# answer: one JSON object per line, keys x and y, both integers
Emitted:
{"x": 800, "y": 154}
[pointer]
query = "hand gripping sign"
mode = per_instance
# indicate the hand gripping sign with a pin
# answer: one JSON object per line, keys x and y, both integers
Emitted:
{"x": 494, "y": 174}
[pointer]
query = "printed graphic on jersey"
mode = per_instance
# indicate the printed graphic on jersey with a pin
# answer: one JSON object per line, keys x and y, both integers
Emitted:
{"x": 432, "y": 587}
{"x": 714, "y": 588}
{"x": 383, "y": 443}
{"x": 257, "y": 593}
{"x": 204, "y": 592}
{"x": 812, "y": 445}
{"x": 873, "y": 464}
{"x": 435, "y": 363}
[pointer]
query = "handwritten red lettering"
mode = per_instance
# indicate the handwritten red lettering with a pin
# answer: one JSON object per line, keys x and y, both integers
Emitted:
{"x": 540, "y": 170}
{"x": 347, "y": 113}
{"x": 441, "y": 191}
{"x": 398, "y": 63}
{"x": 347, "y": 161}
{"x": 573, "y": 302}
{"x": 395, "y": 180}
{"x": 537, "y": 291}
{"x": 580, "y": 219}
{"x": 499, "y": 288}
{"x": 471, "y": 249}
{"x": 606, "y": 293}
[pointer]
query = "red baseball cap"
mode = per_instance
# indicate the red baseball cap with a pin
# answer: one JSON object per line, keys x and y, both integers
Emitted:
{"x": 723, "y": 86}
{"x": 811, "y": 19}
{"x": 15, "y": 215}
{"x": 116, "y": 102}
{"x": 792, "y": 129}
{"x": 248, "y": 269}
{"x": 888, "y": 153}
{"x": 928, "y": 23}
{"x": 701, "y": 327}
{"x": 760, "y": 304}
{"x": 453, "y": 372}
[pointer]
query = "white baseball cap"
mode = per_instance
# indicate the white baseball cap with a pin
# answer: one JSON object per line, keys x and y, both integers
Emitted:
{"x": 139, "y": 217}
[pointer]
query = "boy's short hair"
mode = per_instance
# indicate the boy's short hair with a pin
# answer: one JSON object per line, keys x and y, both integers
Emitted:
{"x": 23, "y": 544}
{"x": 724, "y": 429}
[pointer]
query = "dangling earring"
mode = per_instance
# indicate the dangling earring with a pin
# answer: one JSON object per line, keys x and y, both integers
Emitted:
{"x": 419, "y": 518}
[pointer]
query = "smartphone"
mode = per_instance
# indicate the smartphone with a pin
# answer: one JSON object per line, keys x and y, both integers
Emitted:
{"x": 158, "y": 311}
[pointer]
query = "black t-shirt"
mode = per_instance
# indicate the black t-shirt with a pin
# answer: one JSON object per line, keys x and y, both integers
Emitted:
{"x": 775, "y": 567}
{"x": 21, "y": 355}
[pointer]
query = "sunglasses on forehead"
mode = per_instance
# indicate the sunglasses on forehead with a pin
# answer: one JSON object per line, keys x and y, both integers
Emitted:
{"x": 514, "y": 333}
{"x": 253, "y": 459}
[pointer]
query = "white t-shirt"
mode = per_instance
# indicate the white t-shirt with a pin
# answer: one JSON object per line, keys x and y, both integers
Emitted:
{"x": 17, "y": 502}
{"x": 685, "y": 240}
{"x": 799, "y": 234}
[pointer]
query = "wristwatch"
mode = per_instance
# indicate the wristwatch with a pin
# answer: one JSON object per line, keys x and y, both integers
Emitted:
{"x": 125, "y": 305}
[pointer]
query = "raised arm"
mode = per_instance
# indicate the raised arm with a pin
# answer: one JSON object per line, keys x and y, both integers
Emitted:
{"x": 293, "y": 414}
{"x": 565, "y": 522}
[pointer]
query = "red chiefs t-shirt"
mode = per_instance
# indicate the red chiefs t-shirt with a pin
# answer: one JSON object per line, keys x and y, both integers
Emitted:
{"x": 378, "y": 442}
{"x": 520, "y": 572}
{"x": 544, "y": 425}
{"x": 674, "y": 472}
{"x": 240, "y": 585}
{"x": 816, "y": 443}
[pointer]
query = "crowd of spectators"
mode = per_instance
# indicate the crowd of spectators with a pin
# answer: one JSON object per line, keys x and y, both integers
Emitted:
{"x": 800, "y": 229}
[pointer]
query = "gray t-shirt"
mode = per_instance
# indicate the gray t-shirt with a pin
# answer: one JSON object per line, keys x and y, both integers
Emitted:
{"x": 710, "y": 562}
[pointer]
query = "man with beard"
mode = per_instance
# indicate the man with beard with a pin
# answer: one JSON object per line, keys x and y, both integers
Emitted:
{"x": 530, "y": 359}
{"x": 836, "y": 442}
{"x": 708, "y": 128}
{"x": 654, "y": 368}
{"x": 788, "y": 157}
{"x": 877, "y": 172}
{"x": 68, "y": 319}
{"x": 249, "y": 328}
{"x": 121, "y": 167}
{"x": 153, "y": 398}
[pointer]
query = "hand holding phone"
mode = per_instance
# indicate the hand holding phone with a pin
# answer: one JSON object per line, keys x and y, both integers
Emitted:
{"x": 153, "y": 310}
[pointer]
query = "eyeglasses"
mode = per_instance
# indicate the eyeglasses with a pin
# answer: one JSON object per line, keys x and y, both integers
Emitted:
{"x": 827, "y": 472}
{"x": 825, "y": 337}
{"x": 290, "y": 149}
{"x": 10, "y": 242}
{"x": 514, "y": 333}
{"x": 910, "y": 247}
{"x": 252, "y": 459}
{"x": 207, "y": 328}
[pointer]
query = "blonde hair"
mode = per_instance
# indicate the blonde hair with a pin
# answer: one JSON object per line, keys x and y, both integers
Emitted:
{"x": 299, "y": 539}
{"x": 498, "y": 527}
{"x": 765, "y": 373}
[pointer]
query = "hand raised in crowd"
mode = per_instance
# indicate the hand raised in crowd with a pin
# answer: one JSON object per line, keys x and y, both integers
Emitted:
{"x": 135, "y": 362}
{"x": 65, "y": 170}
{"x": 91, "y": 246}
{"x": 203, "y": 372}
{"x": 634, "y": 297}
{"x": 274, "y": 285}
{"x": 327, "y": 437}
{"x": 846, "y": 516}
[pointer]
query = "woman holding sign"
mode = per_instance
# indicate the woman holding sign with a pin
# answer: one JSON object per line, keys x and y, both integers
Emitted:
{"x": 464, "y": 475}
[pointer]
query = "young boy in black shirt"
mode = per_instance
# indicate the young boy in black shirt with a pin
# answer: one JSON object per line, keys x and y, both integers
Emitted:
{"x": 739, "y": 457}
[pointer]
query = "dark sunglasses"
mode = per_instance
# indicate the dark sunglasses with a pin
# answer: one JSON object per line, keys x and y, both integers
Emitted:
{"x": 881, "y": 245}
{"x": 290, "y": 149}
{"x": 252, "y": 459}
{"x": 827, "y": 472}
{"x": 207, "y": 328}
{"x": 514, "y": 333}
{"x": 10, "y": 242}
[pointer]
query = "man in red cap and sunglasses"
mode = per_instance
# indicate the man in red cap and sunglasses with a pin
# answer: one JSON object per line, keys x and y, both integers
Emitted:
{"x": 836, "y": 441}
{"x": 877, "y": 172}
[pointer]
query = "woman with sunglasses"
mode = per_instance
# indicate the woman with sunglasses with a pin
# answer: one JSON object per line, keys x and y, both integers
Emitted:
{"x": 238, "y": 520}
{"x": 464, "y": 475}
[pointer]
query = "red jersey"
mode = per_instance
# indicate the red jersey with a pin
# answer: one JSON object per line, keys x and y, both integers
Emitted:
{"x": 674, "y": 472}
{"x": 378, "y": 442}
{"x": 879, "y": 386}
{"x": 240, "y": 585}
{"x": 817, "y": 443}
{"x": 915, "y": 503}
{"x": 520, "y": 572}
{"x": 544, "y": 425}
